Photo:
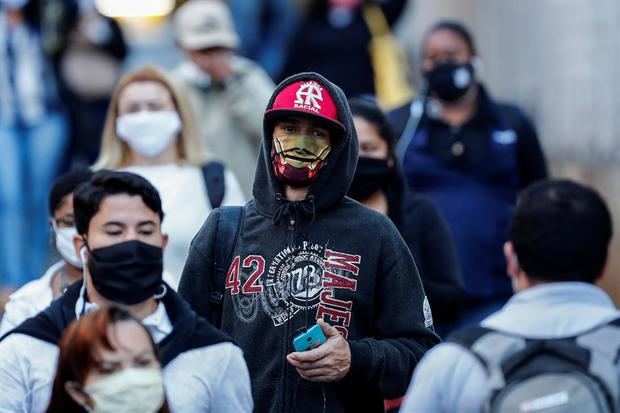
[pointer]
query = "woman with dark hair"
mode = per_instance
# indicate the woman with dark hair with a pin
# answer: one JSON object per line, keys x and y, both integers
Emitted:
{"x": 471, "y": 155}
{"x": 108, "y": 364}
{"x": 380, "y": 185}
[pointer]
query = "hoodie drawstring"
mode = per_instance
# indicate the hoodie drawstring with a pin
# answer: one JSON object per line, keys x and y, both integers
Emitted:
{"x": 288, "y": 208}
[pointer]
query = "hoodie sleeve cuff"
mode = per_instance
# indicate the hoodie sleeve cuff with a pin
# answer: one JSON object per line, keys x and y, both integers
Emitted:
{"x": 362, "y": 358}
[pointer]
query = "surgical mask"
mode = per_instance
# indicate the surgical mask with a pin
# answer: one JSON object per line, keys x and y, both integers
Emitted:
{"x": 449, "y": 81}
{"x": 128, "y": 272}
{"x": 298, "y": 158}
{"x": 148, "y": 133}
{"x": 370, "y": 176}
{"x": 64, "y": 244}
{"x": 133, "y": 390}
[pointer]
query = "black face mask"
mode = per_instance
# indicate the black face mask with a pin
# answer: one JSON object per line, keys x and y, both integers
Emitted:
{"x": 127, "y": 273}
{"x": 370, "y": 176}
{"x": 450, "y": 81}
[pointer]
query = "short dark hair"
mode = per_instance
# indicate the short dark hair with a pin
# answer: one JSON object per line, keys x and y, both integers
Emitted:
{"x": 366, "y": 107}
{"x": 88, "y": 197}
{"x": 455, "y": 27}
{"x": 65, "y": 185}
{"x": 561, "y": 231}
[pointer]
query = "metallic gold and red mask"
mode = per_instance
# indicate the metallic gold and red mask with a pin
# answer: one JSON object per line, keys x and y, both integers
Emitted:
{"x": 297, "y": 159}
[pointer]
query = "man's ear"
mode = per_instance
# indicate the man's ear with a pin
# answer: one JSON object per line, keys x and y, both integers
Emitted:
{"x": 607, "y": 264}
{"x": 513, "y": 269}
{"x": 78, "y": 243}
{"x": 74, "y": 390}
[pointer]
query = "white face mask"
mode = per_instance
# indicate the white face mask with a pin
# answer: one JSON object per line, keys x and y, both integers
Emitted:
{"x": 148, "y": 133}
{"x": 64, "y": 245}
{"x": 133, "y": 390}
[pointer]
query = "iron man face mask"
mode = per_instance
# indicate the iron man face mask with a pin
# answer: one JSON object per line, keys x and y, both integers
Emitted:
{"x": 298, "y": 158}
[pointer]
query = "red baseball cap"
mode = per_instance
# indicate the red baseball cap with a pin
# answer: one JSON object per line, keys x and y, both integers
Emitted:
{"x": 307, "y": 97}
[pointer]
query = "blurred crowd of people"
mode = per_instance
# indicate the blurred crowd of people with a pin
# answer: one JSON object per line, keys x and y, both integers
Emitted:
{"x": 338, "y": 208}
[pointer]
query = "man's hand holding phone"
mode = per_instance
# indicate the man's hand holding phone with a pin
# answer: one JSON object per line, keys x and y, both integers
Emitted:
{"x": 328, "y": 362}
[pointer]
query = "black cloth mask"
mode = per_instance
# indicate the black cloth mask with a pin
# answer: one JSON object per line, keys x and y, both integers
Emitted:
{"x": 127, "y": 273}
{"x": 450, "y": 81}
{"x": 371, "y": 175}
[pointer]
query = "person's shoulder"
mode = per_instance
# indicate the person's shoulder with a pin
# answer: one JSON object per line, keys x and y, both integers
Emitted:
{"x": 349, "y": 205}
{"x": 29, "y": 300}
{"x": 511, "y": 113}
{"x": 250, "y": 71}
{"x": 222, "y": 352}
{"x": 450, "y": 357}
{"x": 243, "y": 65}
{"x": 24, "y": 346}
{"x": 360, "y": 213}
{"x": 38, "y": 286}
{"x": 417, "y": 203}
{"x": 212, "y": 360}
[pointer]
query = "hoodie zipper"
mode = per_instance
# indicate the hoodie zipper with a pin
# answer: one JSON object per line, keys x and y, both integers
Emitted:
{"x": 291, "y": 227}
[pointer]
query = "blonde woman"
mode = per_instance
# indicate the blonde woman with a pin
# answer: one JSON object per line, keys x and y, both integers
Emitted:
{"x": 150, "y": 130}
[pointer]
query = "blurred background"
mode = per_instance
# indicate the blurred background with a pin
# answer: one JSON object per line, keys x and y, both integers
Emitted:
{"x": 557, "y": 59}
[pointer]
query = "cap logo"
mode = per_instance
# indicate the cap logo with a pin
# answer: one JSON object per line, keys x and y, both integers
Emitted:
{"x": 308, "y": 96}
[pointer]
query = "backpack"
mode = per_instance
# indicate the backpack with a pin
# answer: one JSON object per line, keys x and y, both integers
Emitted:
{"x": 213, "y": 175}
{"x": 568, "y": 375}
{"x": 228, "y": 229}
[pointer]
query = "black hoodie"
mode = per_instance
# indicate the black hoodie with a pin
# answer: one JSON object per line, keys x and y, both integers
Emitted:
{"x": 326, "y": 256}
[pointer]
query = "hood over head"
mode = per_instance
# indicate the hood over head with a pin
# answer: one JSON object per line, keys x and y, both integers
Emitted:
{"x": 335, "y": 177}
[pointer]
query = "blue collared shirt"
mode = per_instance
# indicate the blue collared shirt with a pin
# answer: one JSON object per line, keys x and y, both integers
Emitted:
{"x": 450, "y": 379}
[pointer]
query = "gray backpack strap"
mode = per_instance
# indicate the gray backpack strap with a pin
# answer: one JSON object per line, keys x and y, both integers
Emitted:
{"x": 604, "y": 346}
{"x": 494, "y": 348}
{"x": 491, "y": 348}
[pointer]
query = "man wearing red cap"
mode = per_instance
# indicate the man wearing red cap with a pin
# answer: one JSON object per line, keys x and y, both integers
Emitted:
{"x": 306, "y": 255}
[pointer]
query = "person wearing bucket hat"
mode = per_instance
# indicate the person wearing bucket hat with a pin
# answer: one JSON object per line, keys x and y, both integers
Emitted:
{"x": 306, "y": 259}
{"x": 224, "y": 89}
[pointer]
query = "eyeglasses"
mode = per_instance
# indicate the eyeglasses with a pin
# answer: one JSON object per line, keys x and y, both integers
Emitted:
{"x": 66, "y": 221}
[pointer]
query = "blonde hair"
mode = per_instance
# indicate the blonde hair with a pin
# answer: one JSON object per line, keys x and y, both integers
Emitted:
{"x": 114, "y": 152}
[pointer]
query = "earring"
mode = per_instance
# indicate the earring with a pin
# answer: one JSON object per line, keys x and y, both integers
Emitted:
{"x": 163, "y": 290}
{"x": 476, "y": 63}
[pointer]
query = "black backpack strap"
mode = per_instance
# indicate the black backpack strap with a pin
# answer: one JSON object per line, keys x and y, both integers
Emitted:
{"x": 213, "y": 174}
{"x": 228, "y": 228}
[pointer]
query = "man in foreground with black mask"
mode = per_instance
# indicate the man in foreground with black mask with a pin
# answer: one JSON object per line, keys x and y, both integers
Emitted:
{"x": 118, "y": 217}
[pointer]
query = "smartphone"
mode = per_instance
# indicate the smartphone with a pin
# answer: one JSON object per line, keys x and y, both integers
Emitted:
{"x": 314, "y": 337}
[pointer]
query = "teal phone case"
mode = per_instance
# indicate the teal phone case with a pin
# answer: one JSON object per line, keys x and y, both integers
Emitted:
{"x": 311, "y": 338}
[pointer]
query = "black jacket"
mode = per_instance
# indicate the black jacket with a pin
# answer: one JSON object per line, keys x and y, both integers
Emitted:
{"x": 189, "y": 331}
{"x": 491, "y": 114}
{"x": 325, "y": 256}
{"x": 339, "y": 53}
{"x": 428, "y": 237}
{"x": 426, "y": 233}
